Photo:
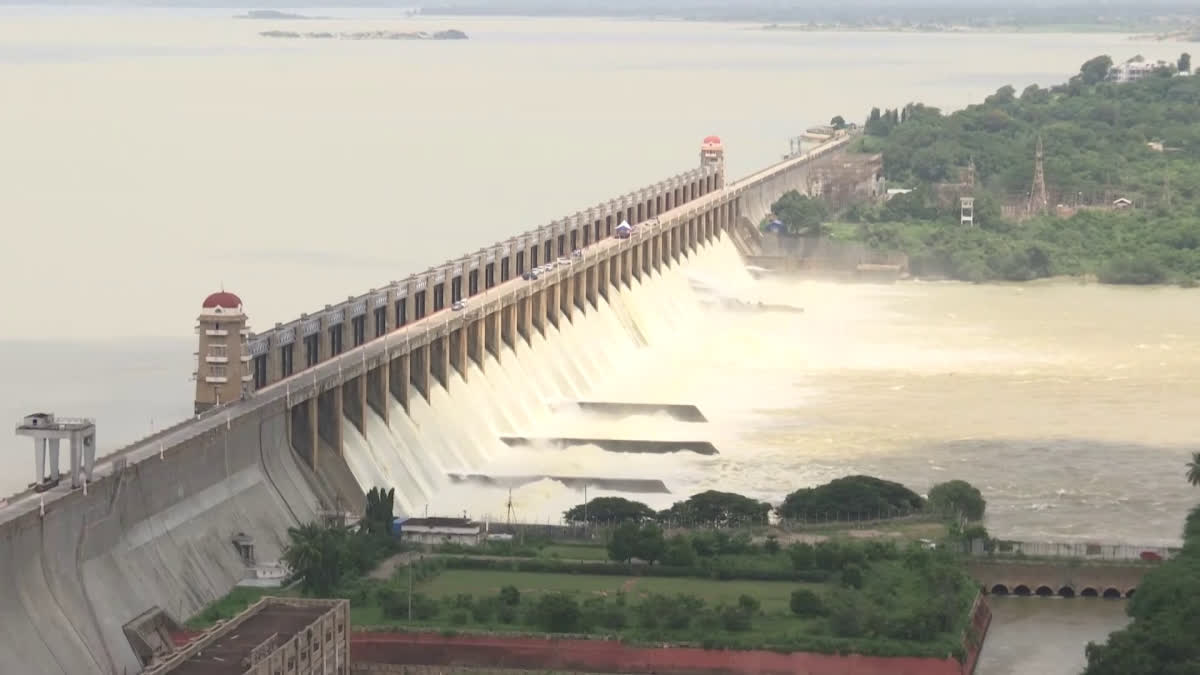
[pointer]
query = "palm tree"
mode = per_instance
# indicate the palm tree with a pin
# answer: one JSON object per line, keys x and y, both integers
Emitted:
{"x": 1193, "y": 474}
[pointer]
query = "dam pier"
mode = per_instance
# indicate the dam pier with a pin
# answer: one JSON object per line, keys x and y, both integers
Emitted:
{"x": 169, "y": 524}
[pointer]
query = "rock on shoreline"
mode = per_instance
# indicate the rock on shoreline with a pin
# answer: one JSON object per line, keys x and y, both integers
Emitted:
{"x": 368, "y": 35}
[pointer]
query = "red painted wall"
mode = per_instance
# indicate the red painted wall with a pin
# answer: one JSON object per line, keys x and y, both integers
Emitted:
{"x": 611, "y": 656}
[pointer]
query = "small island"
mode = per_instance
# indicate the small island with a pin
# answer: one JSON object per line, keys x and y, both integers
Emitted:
{"x": 275, "y": 14}
{"x": 367, "y": 35}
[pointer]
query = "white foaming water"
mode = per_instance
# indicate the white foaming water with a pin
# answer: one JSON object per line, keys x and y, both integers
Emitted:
{"x": 594, "y": 355}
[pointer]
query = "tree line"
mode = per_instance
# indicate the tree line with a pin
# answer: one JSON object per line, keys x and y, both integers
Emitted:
{"x": 1102, "y": 141}
{"x": 849, "y": 497}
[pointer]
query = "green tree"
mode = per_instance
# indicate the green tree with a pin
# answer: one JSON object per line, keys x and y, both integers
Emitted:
{"x": 803, "y": 215}
{"x": 380, "y": 510}
{"x": 622, "y": 542}
{"x": 718, "y": 509}
{"x": 649, "y": 544}
{"x": 838, "y": 122}
{"x": 679, "y": 552}
{"x": 1096, "y": 69}
{"x": 806, "y": 603}
{"x": 612, "y": 510}
{"x": 957, "y": 497}
{"x": 1185, "y": 63}
{"x": 318, "y": 555}
{"x": 1193, "y": 474}
{"x": 859, "y": 496}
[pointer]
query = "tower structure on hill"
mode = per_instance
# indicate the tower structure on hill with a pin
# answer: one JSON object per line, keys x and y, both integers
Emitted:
{"x": 222, "y": 369}
{"x": 1038, "y": 201}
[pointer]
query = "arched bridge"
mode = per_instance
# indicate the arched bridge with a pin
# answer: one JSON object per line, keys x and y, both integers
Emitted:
{"x": 1064, "y": 579}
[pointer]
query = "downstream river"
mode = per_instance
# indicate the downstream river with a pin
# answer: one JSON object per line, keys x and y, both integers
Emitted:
{"x": 156, "y": 155}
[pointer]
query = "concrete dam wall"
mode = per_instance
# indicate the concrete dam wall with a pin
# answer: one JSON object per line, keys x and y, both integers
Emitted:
{"x": 155, "y": 526}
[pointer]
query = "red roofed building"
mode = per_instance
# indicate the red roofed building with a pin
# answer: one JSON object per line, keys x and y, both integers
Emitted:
{"x": 223, "y": 360}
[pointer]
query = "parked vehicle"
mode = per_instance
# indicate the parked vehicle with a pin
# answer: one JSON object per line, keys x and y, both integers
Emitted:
{"x": 459, "y": 306}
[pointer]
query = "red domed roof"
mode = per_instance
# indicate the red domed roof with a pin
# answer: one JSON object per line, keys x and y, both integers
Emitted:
{"x": 222, "y": 299}
{"x": 712, "y": 140}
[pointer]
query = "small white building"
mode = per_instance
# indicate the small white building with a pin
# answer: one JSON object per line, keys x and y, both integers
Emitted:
{"x": 1132, "y": 71}
{"x": 442, "y": 531}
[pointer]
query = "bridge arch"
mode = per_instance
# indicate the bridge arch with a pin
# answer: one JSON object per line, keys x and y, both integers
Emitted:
{"x": 1044, "y": 592}
{"x": 1090, "y": 592}
{"x": 1066, "y": 592}
{"x": 999, "y": 589}
{"x": 1021, "y": 589}
{"x": 1112, "y": 593}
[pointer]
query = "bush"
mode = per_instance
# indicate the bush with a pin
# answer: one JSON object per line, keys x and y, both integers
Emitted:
{"x": 484, "y": 609}
{"x": 806, "y": 603}
{"x": 735, "y": 619}
{"x": 556, "y": 613}
{"x": 852, "y": 576}
{"x": 463, "y": 601}
{"x": 771, "y": 545}
{"x": 802, "y": 555}
{"x": 509, "y": 595}
{"x": 506, "y": 614}
{"x": 459, "y": 618}
{"x": 722, "y": 568}
{"x": 749, "y": 603}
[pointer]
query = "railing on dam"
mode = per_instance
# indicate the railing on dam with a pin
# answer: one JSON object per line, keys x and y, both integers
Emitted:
{"x": 1074, "y": 550}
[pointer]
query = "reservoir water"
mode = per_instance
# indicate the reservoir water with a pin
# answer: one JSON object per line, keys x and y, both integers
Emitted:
{"x": 155, "y": 155}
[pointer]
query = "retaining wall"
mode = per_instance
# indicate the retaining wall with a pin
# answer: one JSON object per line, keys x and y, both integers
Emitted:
{"x": 464, "y": 653}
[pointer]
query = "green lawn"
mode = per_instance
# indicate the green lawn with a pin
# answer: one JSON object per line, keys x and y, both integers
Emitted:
{"x": 774, "y": 595}
{"x": 573, "y": 552}
{"x": 489, "y": 582}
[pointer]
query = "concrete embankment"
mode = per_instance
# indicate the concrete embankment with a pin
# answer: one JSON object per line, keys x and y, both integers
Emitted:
{"x": 157, "y": 533}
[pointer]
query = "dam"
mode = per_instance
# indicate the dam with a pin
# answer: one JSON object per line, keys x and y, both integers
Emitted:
{"x": 299, "y": 420}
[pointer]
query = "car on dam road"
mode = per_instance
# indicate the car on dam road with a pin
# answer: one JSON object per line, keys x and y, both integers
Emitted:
{"x": 459, "y": 306}
{"x": 564, "y": 261}
{"x": 577, "y": 253}
{"x": 530, "y": 275}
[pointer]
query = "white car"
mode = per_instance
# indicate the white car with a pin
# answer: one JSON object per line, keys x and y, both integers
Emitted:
{"x": 564, "y": 261}
{"x": 459, "y": 306}
{"x": 577, "y": 253}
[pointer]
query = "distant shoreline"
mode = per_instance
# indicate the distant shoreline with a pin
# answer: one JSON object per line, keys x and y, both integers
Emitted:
{"x": 366, "y": 35}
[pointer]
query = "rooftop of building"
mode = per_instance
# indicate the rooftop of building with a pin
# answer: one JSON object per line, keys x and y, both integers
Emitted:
{"x": 238, "y": 637}
{"x": 438, "y": 522}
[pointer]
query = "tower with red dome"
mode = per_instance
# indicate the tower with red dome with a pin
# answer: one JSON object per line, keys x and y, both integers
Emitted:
{"x": 712, "y": 151}
{"x": 222, "y": 369}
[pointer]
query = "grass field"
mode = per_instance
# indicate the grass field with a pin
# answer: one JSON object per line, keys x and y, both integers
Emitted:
{"x": 573, "y": 552}
{"x": 774, "y": 595}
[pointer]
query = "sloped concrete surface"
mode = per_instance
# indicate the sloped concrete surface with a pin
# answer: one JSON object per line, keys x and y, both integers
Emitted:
{"x": 160, "y": 533}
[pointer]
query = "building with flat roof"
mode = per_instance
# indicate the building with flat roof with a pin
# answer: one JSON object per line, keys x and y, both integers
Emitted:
{"x": 274, "y": 636}
{"x": 441, "y": 531}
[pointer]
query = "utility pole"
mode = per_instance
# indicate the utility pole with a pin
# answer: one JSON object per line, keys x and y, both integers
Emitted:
{"x": 410, "y": 590}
